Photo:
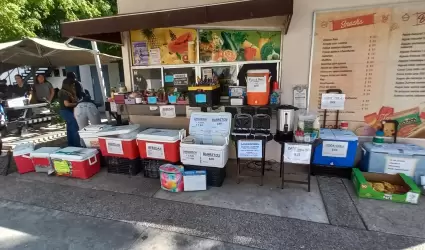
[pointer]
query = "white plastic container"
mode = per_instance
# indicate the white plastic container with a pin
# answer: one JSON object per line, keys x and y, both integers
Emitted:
{"x": 90, "y": 134}
{"x": 208, "y": 142}
{"x": 41, "y": 159}
{"x": 162, "y": 144}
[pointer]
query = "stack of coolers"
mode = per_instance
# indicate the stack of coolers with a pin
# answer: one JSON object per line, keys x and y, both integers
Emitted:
{"x": 158, "y": 147}
{"x": 75, "y": 162}
{"x": 118, "y": 146}
{"x": 207, "y": 146}
{"x": 338, "y": 148}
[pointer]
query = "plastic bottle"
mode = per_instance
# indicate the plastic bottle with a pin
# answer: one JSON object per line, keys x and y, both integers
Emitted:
{"x": 275, "y": 95}
{"x": 378, "y": 139}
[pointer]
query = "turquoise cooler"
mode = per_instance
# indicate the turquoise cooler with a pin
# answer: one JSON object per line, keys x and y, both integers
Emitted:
{"x": 338, "y": 148}
{"x": 393, "y": 158}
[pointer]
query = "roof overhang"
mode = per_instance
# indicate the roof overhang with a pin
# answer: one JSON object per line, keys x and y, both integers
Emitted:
{"x": 107, "y": 29}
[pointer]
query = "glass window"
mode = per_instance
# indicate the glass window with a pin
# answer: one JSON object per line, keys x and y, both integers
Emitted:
{"x": 147, "y": 79}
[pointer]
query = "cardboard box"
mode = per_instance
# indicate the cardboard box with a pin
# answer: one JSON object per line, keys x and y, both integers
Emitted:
{"x": 365, "y": 190}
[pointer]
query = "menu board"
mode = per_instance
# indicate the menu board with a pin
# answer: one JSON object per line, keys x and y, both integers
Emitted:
{"x": 163, "y": 46}
{"x": 376, "y": 56}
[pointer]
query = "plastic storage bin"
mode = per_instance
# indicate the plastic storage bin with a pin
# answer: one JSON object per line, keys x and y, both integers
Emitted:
{"x": 200, "y": 96}
{"x": 75, "y": 162}
{"x": 90, "y": 133}
{"x": 171, "y": 177}
{"x": 120, "y": 142}
{"x": 208, "y": 142}
{"x": 119, "y": 165}
{"x": 258, "y": 87}
{"x": 338, "y": 149}
{"x": 161, "y": 144}
{"x": 215, "y": 176}
{"x": 394, "y": 158}
{"x": 41, "y": 159}
{"x": 22, "y": 157}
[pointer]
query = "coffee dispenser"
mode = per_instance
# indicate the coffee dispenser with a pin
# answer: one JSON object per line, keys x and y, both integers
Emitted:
{"x": 285, "y": 123}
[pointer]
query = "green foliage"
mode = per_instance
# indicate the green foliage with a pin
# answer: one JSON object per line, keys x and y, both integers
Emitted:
{"x": 42, "y": 18}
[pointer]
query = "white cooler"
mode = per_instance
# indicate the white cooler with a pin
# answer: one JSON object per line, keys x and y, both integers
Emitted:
{"x": 208, "y": 142}
{"x": 90, "y": 134}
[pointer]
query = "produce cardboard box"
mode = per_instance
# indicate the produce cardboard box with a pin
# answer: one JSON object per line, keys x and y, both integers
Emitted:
{"x": 363, "y": 186}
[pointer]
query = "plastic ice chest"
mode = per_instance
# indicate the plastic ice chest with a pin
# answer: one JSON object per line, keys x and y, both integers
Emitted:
{"x": 120, "y": 142}
{"x": 22, "y": 156}
{"x": 76, "y": 162}
{"x": 41, "y": 159}
{"x": 208, "y": 143}
{"x": 90, "y": 134}
{"x": 338, "y": 148}
{"x": 394, "y": 158}
{"x": 161, "y": 144}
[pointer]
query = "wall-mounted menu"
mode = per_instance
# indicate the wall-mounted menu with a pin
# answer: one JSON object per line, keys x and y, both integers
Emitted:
{"x": 376, "y": 56}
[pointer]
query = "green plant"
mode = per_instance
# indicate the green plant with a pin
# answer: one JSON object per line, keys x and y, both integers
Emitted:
{"x": 54, "y": 109}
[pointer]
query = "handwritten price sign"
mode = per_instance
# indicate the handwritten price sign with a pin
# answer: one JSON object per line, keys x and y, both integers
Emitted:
{"x": 333, "y": 101}
{"x": 297, "y": 153}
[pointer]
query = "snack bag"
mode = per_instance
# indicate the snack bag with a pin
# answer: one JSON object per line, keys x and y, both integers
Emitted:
{"x": 407, "y": 120}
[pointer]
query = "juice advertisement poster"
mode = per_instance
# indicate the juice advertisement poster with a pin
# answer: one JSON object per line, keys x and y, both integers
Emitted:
{"x": 166, "y": 46}
{"x": 238, "y": 45}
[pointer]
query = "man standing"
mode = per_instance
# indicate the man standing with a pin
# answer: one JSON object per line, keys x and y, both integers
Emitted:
{"x": 20, "y": 89}
{"x": 43, "y": 90}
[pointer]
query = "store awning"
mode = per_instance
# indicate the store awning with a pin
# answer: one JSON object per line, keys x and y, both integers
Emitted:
{"x": 107, "y": 29}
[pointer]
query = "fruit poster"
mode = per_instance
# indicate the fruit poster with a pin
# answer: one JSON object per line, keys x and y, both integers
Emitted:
{"x": 164, "y": 46}
{"x": 240, "y": 45}
{"x": 376, "y": 56}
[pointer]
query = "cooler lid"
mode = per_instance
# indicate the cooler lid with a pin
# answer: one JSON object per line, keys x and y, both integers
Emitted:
{"x": 125, "y": 137}
{"x": 170, "y": 135}
{"x": 96, "y": 128}
{"x": 395, "y": 148}
{"x": 74, "y": 153}
{"x": 24, "y": 148}
{"x": 337, "y": 134}
{"x": 117, "y": 130}
{"x": 44, "y": 152}
{"x": 210, "y": 124}
{"x": 170, "y": 168}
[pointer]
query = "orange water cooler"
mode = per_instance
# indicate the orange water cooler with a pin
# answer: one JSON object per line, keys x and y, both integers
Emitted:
{"x": 258, "y": 87}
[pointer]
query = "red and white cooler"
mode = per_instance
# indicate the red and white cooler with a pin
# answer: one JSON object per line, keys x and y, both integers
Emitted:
{"x": 22, "y": 156}
{"x": 162, "y": 144}
{"x": 120, "y": 142}
{"x": 90, "y": 134}
{"x": 76, "y": 162}
{"x": 41, "y": 159}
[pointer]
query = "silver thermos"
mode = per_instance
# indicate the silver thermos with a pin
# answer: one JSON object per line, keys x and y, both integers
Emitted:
{"x": 285, "y": 123}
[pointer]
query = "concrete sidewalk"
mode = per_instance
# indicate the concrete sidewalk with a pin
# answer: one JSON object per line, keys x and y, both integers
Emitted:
{"x": 60, "y": 209}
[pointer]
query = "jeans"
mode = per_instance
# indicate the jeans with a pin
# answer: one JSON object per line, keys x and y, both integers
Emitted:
{"x": 85, "y": 112}
{"x": 71, "y": 128}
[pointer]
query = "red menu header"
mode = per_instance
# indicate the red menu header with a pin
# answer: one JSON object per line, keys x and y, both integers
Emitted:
{"x": 353, "y": 22}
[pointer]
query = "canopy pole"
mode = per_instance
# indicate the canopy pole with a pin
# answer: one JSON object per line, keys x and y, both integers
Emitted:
{"x": 100, "y": 75}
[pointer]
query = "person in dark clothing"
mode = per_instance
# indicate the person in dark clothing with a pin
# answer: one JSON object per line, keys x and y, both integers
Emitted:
{"x": 79, "y": 91}
{"x": 20, "y": 89}
{"x": 3, "y": 88}
{"x": 67, "y": 101}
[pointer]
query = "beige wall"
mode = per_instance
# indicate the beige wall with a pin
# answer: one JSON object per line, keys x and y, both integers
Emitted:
{"x": 296, "y": 45}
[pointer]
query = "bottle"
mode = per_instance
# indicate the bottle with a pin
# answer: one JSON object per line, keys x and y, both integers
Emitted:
{"x": 275, "y": 95}
{"x": 378, "y": 139}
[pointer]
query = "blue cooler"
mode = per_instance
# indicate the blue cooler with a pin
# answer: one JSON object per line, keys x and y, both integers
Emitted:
{"x": 393, "y": 158}
{"x": 338, "y": 148}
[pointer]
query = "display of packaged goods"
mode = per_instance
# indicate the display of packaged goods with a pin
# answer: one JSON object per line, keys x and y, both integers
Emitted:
{"x": 120, "y": 142}
{"x": 161, "y": 144}
{"x": 90, "y": 134}
{"x": 75, "y": 162}
{"x": 208, "y": 142}
{"x": 394, "y": 158}
{"x": 22, "y": 157}
{"x": 392, "y": 187}
{"x": 118, "y": 165}
{"x": 338, "y": 148}
{"x": 42, "y": 161}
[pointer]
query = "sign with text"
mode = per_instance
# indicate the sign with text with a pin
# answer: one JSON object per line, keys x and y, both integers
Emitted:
{"x": 155, "y": 150}
{"x": 211, "y": 157}
{"x": 335, "y": 149}
{"x": 333, "y": 101}
{"x": 114, "y": 147}
{"x": 397, "y": 165}
{"x": 250, "y": 149}
{"x": 297, "y": 153}
{"x": 167, "y": 111}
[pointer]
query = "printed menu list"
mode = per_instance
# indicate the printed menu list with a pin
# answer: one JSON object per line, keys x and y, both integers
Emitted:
{"x": 376, "y": 57}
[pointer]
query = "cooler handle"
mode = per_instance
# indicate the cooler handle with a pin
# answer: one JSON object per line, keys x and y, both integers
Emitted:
{"x": 90, "y": 160}
{"x": 227, "y": 140}
{"x": 182, "y": 134}
{"x": 26, "y": 156}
